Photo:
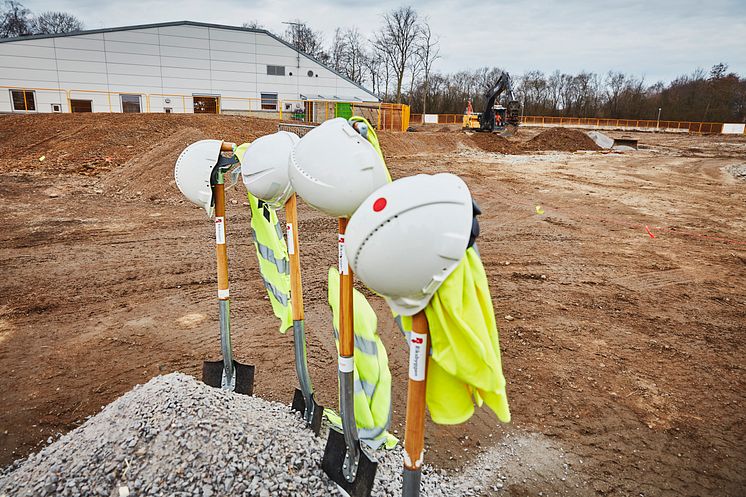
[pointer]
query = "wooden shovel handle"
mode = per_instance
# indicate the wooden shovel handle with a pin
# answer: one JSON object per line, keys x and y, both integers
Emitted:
{"x": 346, "y": 319}
{"x": 296, "y": 285}
{"x": 220, "y": 247}
{"x": 414, "y": 437}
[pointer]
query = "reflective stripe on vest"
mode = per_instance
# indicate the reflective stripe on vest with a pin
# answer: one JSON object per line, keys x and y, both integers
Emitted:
{"x": 281, "y": 297}
{"x": 282, "y": 265}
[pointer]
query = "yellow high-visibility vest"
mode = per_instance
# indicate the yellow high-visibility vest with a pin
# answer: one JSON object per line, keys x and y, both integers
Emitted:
{"x": 372, "y": 377}
{"x": 464, "y": 367}
{"x": 272, "y": 254}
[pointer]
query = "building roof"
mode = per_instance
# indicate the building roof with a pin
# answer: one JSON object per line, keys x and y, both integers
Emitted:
{"x": 188, "y": 23}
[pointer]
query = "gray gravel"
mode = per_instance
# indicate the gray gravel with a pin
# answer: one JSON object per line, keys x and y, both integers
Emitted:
{"x": 738, "y": 171}
{"x": 175, "y": 436}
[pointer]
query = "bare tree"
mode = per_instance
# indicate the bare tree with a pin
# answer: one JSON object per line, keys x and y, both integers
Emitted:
{"x": 15, "y": 20}
{"x": 428, "y": 52}
{"x": 354, "y": 55}
{"x": 305, "y": 39}
{"x": 252, "y": 24}
{"x": 397, "y": 39}
{"x": 337, "y": 51}
{"x": 56, "y": 22}
{"x": 373, "y": 63}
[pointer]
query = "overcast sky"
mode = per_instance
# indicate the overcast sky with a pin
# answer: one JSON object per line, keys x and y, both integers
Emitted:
{"x": 657, "y": 39}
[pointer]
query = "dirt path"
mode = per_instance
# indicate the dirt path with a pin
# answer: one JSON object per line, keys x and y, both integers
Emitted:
{"x": 624, "y": 353}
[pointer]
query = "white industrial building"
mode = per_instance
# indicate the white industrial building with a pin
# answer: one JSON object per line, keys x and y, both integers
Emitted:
{"x": 170, "y": 67}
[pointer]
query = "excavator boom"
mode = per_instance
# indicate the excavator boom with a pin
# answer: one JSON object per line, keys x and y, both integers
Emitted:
{"x": 512, "y": 109}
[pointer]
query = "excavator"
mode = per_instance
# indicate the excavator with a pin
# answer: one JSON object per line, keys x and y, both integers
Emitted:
{"x": 496, "y": 118}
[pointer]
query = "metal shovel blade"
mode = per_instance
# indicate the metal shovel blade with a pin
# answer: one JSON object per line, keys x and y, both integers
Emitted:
{"x": 212, "y": 374}
{"x": 312, "y": 418}
{"x": 334, "y": 460}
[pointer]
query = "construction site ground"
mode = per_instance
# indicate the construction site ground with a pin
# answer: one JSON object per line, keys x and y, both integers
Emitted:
{"x": 618, "y": 281}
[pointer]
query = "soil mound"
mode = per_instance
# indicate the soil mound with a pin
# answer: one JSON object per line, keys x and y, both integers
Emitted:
{"x": 151, "y": 174}
{"x": 560, "y": 139}
{"x": 90, "y": 144}
{"x": 491, "y": 142}
{"x": 554, "y": 139}
{"x": 396, "y": 144}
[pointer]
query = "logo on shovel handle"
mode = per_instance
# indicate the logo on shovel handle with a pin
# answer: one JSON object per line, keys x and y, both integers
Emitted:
{"x": 417, "y": 356}
{"x": 342, "y": 256}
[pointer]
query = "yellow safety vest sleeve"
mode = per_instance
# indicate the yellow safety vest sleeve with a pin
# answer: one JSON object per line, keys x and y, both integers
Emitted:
{"x": 272, "y": 254}
{"x": 373, "y": 139}
{"x": 465, "y": 366}
{"x": 372, "y": 377}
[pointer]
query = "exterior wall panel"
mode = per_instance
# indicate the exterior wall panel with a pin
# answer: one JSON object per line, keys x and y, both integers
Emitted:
{"x": 75, "y": 54}
{"x": 132, "y": 48}
{"x": 20, "y": 49}
{"x": 132, "y": 69}
{"x": 9, "y": 62}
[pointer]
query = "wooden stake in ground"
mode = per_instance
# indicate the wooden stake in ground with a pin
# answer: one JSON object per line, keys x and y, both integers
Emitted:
{"x": 414, "y": 436}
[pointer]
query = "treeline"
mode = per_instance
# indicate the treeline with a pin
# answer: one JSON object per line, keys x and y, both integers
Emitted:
{"x": 17, "y": 20}
{"x": 718, "y": 96}
{"x": 396, "y": 63}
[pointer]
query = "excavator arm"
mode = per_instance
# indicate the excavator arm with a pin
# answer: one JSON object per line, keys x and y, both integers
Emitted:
{"x": 502, "y": 85}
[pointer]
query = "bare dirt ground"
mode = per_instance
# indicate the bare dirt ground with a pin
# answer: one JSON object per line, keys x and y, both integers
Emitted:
{"x": 619, "y": 282}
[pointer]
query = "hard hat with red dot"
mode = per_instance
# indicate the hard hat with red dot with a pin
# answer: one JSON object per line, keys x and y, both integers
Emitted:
{"x": 193, "y": 172}
{"x": 264, "y": 167}
{"x": 334, "y": 169}
{"x": 408, "y": 236}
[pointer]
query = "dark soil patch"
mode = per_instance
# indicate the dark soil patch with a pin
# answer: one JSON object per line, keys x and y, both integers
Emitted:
{"x": 554, "y": 139}
{"x": 560, "y": 139}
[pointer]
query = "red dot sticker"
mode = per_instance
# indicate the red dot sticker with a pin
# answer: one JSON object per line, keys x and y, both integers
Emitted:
{"x": 379, "y": 204}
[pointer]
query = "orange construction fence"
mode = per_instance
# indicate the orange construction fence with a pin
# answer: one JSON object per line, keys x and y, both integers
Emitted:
{"x": 647, "y": 124}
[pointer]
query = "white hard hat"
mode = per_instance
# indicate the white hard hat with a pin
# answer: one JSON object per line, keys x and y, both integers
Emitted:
{"x": 193, "y": 171}
{"x": 408, "y": 236}
{"x": 334, "y": 169}
{"x": 264, "y": 167}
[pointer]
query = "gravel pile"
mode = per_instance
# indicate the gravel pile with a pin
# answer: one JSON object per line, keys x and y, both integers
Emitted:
{"x": 738, "y": 171}
{"x": 178, "y": 437}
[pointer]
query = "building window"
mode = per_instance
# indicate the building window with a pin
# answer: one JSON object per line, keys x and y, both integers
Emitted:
{"x": 23, "y": 100}
{"x": 269, "y": 101}
{"x": 81, "y": 106}
{"x": 130, "y": 103}
{"x": 275, "y": 70}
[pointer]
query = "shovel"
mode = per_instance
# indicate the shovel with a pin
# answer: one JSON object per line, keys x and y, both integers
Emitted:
{"x": 414, "y": 435}
{"x": 344, "y": 460}
{"x": 303, "y": 400}
{"x": 227, "y": 374}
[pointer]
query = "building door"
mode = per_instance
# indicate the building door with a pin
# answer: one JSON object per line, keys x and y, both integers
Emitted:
{"x": 205, "y": 105}
{"x": 81, "y": 106}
